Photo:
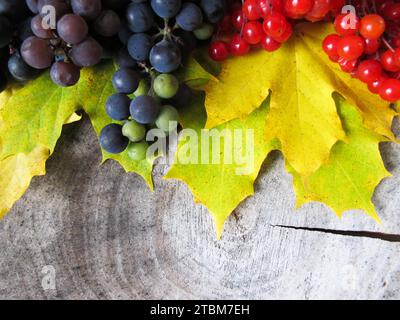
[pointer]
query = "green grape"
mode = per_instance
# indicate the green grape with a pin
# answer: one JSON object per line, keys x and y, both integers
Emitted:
{"x": 166, "y": 86}
{"x": 134, "y": 131}
{"x": 204, "y": 32}
{"x": 142, "y": 89}
{"x": 166, "y": 116}
{"x": 138, "y": 151}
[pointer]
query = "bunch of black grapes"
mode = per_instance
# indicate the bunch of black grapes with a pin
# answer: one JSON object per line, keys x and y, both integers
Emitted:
{"x": 83, "y": 32}
{"x": 14, "y": 28}
{"x": 157, "y": 35}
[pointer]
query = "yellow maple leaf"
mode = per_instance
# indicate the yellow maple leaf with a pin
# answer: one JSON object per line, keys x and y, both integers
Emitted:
{"x": 222, "y": 186}
{"x": 348, "y": 180}
{"x": 302, "y": 80}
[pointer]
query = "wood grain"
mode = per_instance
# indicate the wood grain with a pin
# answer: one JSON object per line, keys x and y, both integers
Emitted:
{"x": 108, "y": 236}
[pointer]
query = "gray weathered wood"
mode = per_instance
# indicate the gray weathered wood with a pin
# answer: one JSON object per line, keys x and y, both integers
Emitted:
{"x": 107, "y": 236}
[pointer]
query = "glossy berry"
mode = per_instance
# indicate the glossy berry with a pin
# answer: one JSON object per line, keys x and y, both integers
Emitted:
{"x": 251, "y": 10}
{"x": 388, "y": 61}
{"x": 237, "y": 19}
{"x": 238, "y": 47}
{"x": 297, "y": 8}
{"x": 346, "y": 24}
{"x": 351, "y": 47}
{"x": 275, "y": 24}
{"x": 218, "y": 50}
{"x": 330, "y": 45}
{"x": 390, "y": 90}
{"x": 375, "y": 86}
{"x": 286, "y": 35}
{"x": 253, "y": 32}
{"x": 371, "y": 45}
{"x": 269, "y": 44}
{"x": 372, "y": 26}
{"x": 369, "y": 71}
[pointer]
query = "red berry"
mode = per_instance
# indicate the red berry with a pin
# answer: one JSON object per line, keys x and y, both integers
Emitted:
{"x": 372, "y": 46}
{"x": 388, "y": 61}
{"x": 218, "y": 50}
{"x": 397, "y": 57}
{"x": 286, "y": 35}
{"x": 348, "y": 66}
{"x": 298, "y": 8}
{"x": 238, "y": 46}
{"x": 346, "y": 24}
{"x": 253, "y": 32}
{"x": 375, "y": 86}
{"x": 269, "y": 44}
{"x": 372, "y": 26}
{"x": 392, "y": 12}
{"x": 237, "y": 19}
{"x": 351, "y": 47}
{"x": 275, "y": 24}
{"x": 390, "y": 90}
{"x": 251, "y": 10}
{"x": 330, "y": 45}
{"x": 369, "y": 71}
{"x": 319, "y": 10}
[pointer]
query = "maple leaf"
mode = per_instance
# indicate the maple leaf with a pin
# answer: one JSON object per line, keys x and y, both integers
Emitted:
{"x": 355, "y": 168}
{"x": 221, "y": 187}
{"x": 302, "y": 114}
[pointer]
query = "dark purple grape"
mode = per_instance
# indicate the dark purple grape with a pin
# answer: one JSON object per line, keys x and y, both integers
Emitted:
{"x": 64, "y": 74}
{"x": 112, "y": 140}
{"x": 72, "y": 28}
{"x": 145, "y": 109}
{"x": 37, "y": 53}
{"x": 87, "y": 53}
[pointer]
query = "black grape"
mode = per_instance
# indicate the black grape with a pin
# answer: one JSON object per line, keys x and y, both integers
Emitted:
{"x": 112, "y": 140}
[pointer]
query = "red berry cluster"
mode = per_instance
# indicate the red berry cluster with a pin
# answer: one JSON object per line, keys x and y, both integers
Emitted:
{"x": 367, "y": 45}
{"x": 266, "y": 24}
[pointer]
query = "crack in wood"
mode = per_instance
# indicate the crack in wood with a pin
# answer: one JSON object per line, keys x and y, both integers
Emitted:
{"x": 358, "y": 234}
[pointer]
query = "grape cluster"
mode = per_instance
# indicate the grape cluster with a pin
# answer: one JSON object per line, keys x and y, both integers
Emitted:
{"x": 157, "y": 34}
{"x": 367, "y": 45}
{"x": 73, "y": 40}
{"x": 266, "y": 23}
{"x": 14, "y": 28}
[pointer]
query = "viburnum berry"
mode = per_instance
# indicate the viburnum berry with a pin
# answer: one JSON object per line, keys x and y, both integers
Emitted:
{"x": 237, "y": 19}
{"x": 375, "y": 86}
{"x": 346, "y": 24}
{"x": 269, "y": 44}
{"x": 275, "y": 24}
{"x": 369, "y": 71}
{"x": 251, "y": 10}
{"x": 351, "y": 47}
{"x": 330, "y": 45}
{"x": 390, "y": 90}
{"x": 388, "y": 61}
{"x": 392, "y": 12}
{"x": 372, "y": 26}
{"x": 319, "y": 10}
{"x": 218, "y": 50}
{"x": 372, "y": 45}
{"x": 297, "y": 8}
{"x": 346, "y": 65}
{"x": 286, "y": 35}
{"x": 397, "y": 57}
{"x": 239, "y": 47}
{"x": 253, "y": 32}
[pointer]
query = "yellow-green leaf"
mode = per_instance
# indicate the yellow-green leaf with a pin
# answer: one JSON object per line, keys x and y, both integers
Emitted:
{"x": 221, "y": 187}
{"x": 303, "y": 114}
{"x": 348, "y": 180}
